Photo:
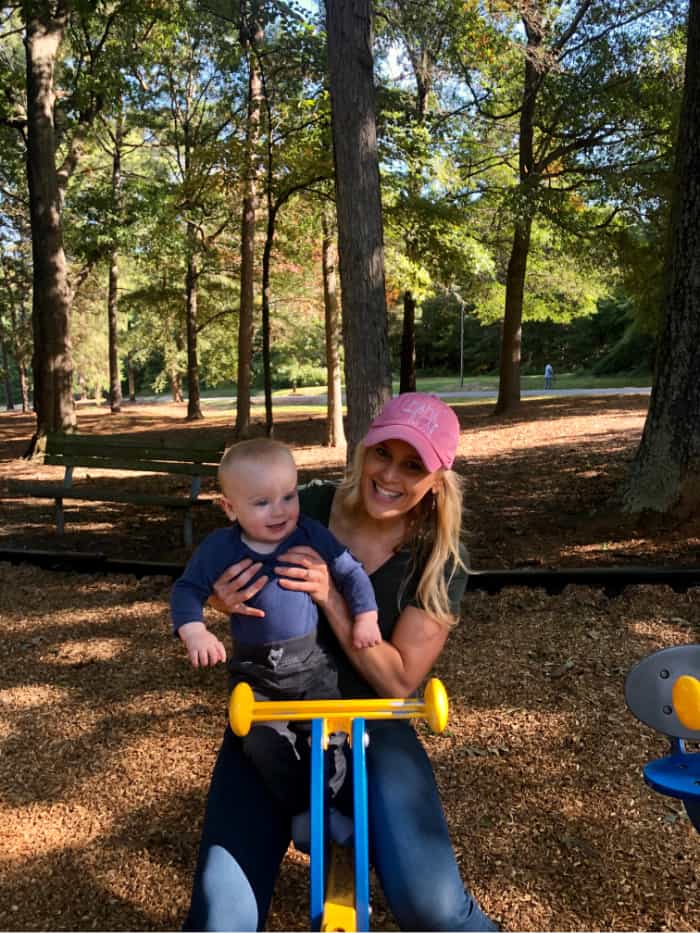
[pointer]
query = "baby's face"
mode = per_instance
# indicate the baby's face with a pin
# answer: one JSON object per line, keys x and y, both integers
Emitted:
{"x": 262, "y": 497}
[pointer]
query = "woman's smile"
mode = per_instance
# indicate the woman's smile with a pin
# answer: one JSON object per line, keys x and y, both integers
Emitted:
{"x": 385, "y": 493}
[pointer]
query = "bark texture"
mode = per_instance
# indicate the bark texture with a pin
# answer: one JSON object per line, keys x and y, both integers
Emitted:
{"x": 335, "y": 430}
{"x": 115, "y": 383}
{"x": 358, "y": 204}
{"x": 194, "y": 408}
{"x": 511, "y": 334}
{"x": 52, "y": 359}
{"x": 250, "y": 34}
{"x": 665, "y": 474}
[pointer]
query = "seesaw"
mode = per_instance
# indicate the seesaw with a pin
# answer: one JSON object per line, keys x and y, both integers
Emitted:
{"x": 339, "y": 880}
{"x": 663, "y": 691}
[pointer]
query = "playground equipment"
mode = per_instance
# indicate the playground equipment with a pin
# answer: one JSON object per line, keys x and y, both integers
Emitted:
{"x": 339, "y": 878}
{"x": 663, "y": 691}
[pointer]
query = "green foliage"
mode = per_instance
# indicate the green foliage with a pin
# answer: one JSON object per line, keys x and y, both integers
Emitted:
{"x": 298, "y": 358}
{"x": 176, "y": 74}
{"x": 605, "y": 341}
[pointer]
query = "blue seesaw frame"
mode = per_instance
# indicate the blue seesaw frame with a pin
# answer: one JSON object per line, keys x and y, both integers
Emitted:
{"x": 339, "y": 899}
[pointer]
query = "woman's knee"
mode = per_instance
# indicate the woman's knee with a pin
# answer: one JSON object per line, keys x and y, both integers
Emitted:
{"x": 223, "y": 898}
{"x": 439, "y": 907}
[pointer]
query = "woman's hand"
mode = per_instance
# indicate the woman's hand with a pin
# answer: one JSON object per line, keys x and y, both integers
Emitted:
{"x": 231, "y": 590}
{"x": 309, "y": 575}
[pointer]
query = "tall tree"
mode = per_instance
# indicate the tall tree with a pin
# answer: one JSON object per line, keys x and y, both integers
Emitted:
{"x": 422, "y": 30}
{"x": 563, "y": 81}
{"x": 665, "y": 473}
{"x": 75, "y": 37}
{"x": 296, "y": 143}
{"x": 45, "y": 27}
{"x": 358, "y": 200}
{"x": 251, "y": 35}
{"x": 115, "y": 385}
{"x": 335, "y": 430}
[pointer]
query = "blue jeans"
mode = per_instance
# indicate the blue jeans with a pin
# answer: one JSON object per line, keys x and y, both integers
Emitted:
{"x": 246, "y": 834}
{"x": 693, "y": 810}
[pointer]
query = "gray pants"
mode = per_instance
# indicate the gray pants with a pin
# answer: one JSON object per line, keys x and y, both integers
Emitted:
{"x": 297, "y": 669}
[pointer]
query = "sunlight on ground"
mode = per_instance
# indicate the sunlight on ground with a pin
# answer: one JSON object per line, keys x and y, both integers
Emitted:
{"x": 32, "y": 695}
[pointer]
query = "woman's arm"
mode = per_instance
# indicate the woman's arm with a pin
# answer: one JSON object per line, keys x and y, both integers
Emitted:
{"x": 394, "y": 668}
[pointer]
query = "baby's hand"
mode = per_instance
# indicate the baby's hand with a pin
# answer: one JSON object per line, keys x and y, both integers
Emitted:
{"x": 203, "y": 648}
{"x": 365, "y": 630}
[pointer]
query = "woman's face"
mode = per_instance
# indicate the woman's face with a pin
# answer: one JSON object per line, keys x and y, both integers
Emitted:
{"x": 394, "y": 479}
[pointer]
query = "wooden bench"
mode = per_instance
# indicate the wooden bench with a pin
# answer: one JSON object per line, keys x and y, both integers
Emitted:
{"x": 110, "y": 452}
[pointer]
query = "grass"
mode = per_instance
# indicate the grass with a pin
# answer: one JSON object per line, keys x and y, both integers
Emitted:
{"x": 488, "y": 382}
{"x": 223, "y": 396}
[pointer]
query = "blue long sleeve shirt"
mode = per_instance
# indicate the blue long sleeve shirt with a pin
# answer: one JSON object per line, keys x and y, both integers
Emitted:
{"x": 288, "y": 614}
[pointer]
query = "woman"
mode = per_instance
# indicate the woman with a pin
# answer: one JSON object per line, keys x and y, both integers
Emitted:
{"x": 399, "y": 512}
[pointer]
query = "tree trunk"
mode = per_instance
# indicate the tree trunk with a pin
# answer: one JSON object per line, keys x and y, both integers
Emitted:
{"x": 407, "y": 381}
{"x": 422, "y": 70}
{"x": 335, "y": 431}
{"x": 665, "y": 473}
{"x": 358, "y": 202}
{"x": 52, "y": 360}
{"x": 266, "y": 259}
{"x": 115, "y": 383}
{"x": 24, "y": 387}
{"x": 175, "y": 385}
{"x": 511, "y": 332}
{"x": 251, "y": 33}
{"x": 9, "y": 404}
{"x": 131, "y": 378}
{"x": 194, "y": 409}
{"x": 115, "y": 386}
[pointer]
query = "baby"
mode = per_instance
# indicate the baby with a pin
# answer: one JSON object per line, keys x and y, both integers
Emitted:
{"x": 278, "y": 652}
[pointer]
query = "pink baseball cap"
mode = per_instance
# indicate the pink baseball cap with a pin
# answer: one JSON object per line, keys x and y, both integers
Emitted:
{"x": 424, "y": 422}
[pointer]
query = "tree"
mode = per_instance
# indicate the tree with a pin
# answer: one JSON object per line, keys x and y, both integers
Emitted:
{"x": 565, "y": 82}
{"x": 358, "y": 201}
{"x": 665, "y": 473}
{"x": 251, "y": 35}
{"x": 296, "y": 145}
{"x": 52, "y": 362}
{"x": 335, "y": 430}
{"x": 422, "y": 29}
{"x": 198, "y": 130}
{"x": 69, "y": 42}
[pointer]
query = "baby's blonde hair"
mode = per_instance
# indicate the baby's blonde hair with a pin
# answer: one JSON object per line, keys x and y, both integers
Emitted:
{"x": 257, "y": 449}
{"x": 434, "y": 532}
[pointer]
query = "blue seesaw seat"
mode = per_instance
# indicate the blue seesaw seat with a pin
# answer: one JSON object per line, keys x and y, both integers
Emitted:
{"x": 649, "y": 692}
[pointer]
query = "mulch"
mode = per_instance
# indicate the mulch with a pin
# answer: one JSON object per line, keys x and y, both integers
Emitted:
{"x": 107, "y": 737}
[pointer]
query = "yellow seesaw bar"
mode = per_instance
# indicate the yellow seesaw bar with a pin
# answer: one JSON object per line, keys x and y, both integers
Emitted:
{"x": 244, "y": 709}
{"x": 686, "y": 701}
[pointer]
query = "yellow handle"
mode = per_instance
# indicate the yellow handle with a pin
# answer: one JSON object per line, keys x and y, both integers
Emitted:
{"x": 244, "y": 710}
{"x": 686, "y": 701}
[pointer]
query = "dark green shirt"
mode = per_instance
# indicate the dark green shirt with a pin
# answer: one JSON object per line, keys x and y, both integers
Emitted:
{"x": 393, "y": 588}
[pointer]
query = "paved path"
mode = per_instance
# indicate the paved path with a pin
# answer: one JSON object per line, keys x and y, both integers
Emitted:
{"x": 470, "y": 393}
{"x": 300, "y": 399}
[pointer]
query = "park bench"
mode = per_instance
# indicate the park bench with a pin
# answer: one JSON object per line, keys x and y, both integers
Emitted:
{"x": 110, "y": 452}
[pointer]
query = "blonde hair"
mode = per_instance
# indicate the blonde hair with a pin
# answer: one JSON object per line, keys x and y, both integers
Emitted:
{"x": 256, "y": 449}
{"x": 434, "y": 531}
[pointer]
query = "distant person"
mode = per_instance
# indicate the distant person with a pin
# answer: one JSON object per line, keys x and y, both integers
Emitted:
{"x": 548, "y": 376}
{"x": 275, "y": 632}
